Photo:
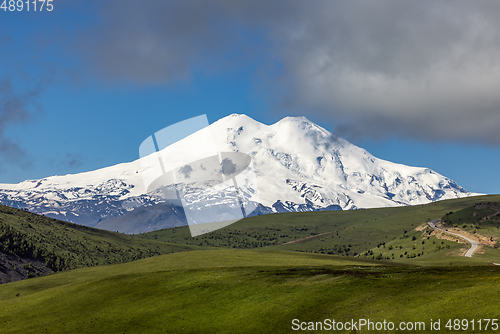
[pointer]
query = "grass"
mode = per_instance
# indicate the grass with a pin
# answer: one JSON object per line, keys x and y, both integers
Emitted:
{"x": 335, "y": 232}
{"x": 451, "y": 256}
{"x": 243, "y": 291}
{"x": 420, "y": 246}
{"x": 66, "y": 245}
{"x": 482, "y": 217}
{"x": 221, "y": 290}
{"x": 411, "y": 245}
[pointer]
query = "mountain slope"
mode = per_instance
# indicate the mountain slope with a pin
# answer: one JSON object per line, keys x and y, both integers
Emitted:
{"x": 297, "y": 160}
{"x": 298, "y": 165}
{"x": 30, "y": 244}
{"x": 150, "y": 218}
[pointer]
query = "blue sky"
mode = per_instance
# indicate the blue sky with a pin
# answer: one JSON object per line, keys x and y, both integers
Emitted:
{"x": 82, "y": 86}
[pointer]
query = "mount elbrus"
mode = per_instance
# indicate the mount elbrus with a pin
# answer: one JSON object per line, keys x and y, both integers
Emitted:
{"x": 298, "y": 166}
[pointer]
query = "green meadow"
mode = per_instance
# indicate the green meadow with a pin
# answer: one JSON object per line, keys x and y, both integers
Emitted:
{"x": 245, "y": 291}
{"x": 346, "y": 233}
{"x": 263, "y": 274}
{"x": 482, "y": 217}
{"x": 65, "y": 245}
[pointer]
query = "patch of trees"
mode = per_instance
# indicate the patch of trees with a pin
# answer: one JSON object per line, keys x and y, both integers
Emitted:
{"x": 239, "y": 239}
{"x": 15, "y": 242}
{"x": 336, "y": 249}
{"x": 60, "y": 250}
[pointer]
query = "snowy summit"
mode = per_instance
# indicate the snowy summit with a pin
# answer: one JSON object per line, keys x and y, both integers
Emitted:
{"x": 299, "y": 166}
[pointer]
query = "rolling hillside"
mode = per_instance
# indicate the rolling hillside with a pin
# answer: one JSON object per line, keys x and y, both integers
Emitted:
{"x": 263, "y": 290}
{"x": 329, "y": 232}
{"x": 61, "y": 245}
{"x": 246, "y": 291}
{"x": 33, "y": 245}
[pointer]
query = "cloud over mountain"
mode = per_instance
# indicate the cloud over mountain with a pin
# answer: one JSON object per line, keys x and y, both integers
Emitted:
{"x": 421, "y": 69}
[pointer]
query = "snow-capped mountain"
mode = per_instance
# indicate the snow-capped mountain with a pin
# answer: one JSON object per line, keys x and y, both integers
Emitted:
{"x": 298, "y": 165}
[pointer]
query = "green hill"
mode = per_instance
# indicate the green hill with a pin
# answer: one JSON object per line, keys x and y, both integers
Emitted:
{"x": 480, "y": 220}
{"x": 63, "y": 245}
{"x": 483, "y": 217}
{"x": 330, "y": 232}
{"x": 246, "y": 291}
{"x": 420, "y": 247}
{"x": 262, "y": 290}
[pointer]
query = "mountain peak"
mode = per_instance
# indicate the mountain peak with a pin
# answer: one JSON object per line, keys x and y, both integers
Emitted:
{"x": 299, "y": 166}
{"x": 285, "y": 120}
{"x": 234, "y": 120}
{"x": 235, "y": 115}
{"x": 294, "y": 119}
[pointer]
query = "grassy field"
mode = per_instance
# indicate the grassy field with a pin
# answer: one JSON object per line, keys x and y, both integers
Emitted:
{"x": 482, "y": 217}
{"x": 329, "y": 232}
{"x": 65, "y": 245}
{"x": 421, "y": 246}
{"x": 289, "y": 275}
{"x": 244, "y": 291}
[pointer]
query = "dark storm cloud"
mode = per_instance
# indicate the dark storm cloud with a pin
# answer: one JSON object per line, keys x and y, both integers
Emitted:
{"x": 417, "y": 69}
{"x": 421, "y": 69}
{"x": 162, "y": 41}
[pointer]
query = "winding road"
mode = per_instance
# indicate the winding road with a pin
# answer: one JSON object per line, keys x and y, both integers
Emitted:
{"x": 474, "y": 244}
